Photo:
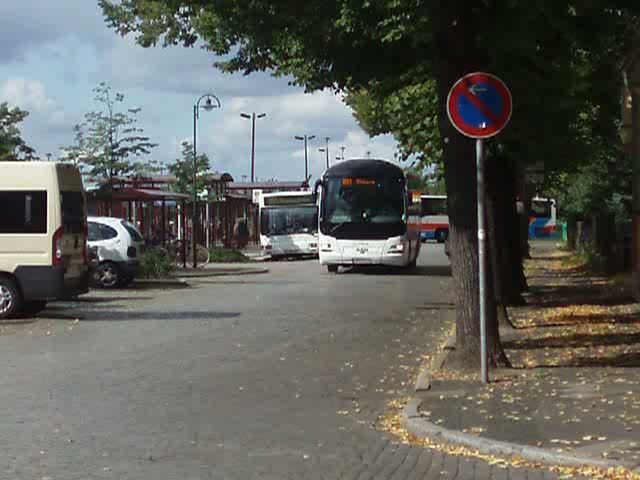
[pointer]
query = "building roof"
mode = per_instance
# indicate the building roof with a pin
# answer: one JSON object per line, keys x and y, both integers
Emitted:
{"x": 138, "y": 194}
{"x": 363, "y": 167}
{"x": 287, "y": 185}
{"x": 168, "y": 179}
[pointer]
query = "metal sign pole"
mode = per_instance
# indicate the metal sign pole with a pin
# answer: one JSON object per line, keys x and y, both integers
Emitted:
{"x": 479, "y": 106}
{"x": 484, "y": 374}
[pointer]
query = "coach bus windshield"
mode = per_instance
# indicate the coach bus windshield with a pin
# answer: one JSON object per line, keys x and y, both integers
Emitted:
{"x": 355, "y": 207}
{"x": 288, "y": 220}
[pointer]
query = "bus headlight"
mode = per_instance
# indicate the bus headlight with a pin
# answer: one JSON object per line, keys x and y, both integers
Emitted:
{"x": 397, "y": 248}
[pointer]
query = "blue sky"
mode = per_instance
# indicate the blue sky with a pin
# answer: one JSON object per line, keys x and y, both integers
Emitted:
{"x": 55, "y": 52}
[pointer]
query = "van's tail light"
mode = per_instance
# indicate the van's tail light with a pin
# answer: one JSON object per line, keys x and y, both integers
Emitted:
{"x": 85, "y": 243}
{"x": 57, "y": 247}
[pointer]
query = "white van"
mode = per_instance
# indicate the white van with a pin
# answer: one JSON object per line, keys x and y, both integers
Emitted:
{"x": 43, "y": 236}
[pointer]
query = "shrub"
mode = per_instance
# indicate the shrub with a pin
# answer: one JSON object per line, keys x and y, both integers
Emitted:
{"x": 155, "y": 263}
{"x": 227, "y": 255}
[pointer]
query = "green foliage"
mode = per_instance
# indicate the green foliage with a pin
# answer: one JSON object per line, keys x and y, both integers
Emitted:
{"x": 427, "y": 181}
{"x": 109, "y": 139}
{"x": 410, "y": 114}
{"x": 227, "y": 255}
{"x": 560, "y": 60}
{"x": 155, "y": 263}
{"x": 182, "y": 169}
{"x": 12, "y": 146}
{"x": 601, "y": 186}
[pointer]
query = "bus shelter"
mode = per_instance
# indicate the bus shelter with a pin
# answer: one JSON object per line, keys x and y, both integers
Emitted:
{"x": 160, "y": 215}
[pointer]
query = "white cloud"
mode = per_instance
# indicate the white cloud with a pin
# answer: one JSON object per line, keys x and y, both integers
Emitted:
{"x": 357, "y": 145}
{"x": 26, "y": 94}
{"x": 56, "y": 54}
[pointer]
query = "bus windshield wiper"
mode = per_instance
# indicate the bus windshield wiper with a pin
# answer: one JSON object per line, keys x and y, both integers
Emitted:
{"x": 335, "y": 227}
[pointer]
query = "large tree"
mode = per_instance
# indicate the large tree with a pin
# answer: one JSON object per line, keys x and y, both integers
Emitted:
{"x": 12, "y": 145}
{"x": 109, "y": 141}
{"x": 407, "y": 54}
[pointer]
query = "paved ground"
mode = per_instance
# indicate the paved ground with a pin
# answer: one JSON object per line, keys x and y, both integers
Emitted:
{"x": 575, "y": 385}
{"x": 273, "y": 376}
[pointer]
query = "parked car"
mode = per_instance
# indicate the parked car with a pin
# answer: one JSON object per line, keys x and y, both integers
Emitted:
{"x": 43, "y": 250}
{"x": 119, "y": 245}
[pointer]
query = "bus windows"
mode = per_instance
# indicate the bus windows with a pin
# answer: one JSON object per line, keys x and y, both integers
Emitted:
{"x": 434, "y": 206}
{"x": 541, "y": 209}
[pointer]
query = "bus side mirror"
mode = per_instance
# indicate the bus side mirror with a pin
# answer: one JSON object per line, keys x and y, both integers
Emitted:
{"x": 315, "y": 190}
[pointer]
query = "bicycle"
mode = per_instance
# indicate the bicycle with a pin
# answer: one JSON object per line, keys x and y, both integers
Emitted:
{"x": 174, "y": 249}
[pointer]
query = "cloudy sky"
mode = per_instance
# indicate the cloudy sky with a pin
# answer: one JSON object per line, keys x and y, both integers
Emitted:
{"x": 55, "y": 52}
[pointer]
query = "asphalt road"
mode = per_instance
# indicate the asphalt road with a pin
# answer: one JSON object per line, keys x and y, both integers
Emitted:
{"x": 273, "y": 376}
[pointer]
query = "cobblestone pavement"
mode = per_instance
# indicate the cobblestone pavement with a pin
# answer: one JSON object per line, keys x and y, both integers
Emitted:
{"x": 282, "y": 375}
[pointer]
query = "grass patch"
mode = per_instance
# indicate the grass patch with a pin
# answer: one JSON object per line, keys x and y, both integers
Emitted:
{"x": 227, "y": 255}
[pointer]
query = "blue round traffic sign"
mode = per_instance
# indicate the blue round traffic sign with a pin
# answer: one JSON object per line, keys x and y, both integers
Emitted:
{"x": 479, "y": 105}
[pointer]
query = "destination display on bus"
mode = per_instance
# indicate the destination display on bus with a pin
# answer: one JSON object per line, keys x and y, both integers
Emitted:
{"x": 349, "y": 181}
{"x": 281, "y": 201}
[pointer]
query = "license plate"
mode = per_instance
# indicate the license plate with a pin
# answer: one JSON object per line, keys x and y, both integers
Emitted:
{"x": 362, "y": 261}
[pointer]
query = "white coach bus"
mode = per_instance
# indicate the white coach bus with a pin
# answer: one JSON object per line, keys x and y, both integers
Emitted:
{"x": 365, "y": 216}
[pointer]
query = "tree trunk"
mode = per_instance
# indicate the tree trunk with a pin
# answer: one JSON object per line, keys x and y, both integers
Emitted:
{"x": 524, "y": 222}
{"x": 572, "y": 232}
{"x": 498, "y": 236}
{"x": 456, "y": 54}
{"x": 516, "y": 280}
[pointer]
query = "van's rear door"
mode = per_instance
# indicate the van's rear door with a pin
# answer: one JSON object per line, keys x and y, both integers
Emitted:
{"x": 73, "y": 221}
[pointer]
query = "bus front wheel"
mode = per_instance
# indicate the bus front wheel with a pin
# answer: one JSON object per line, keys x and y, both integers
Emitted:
{"x": 332, "y": 268}
{"x": 441, "y": 235}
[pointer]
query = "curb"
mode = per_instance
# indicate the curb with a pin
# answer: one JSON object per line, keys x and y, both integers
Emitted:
{"x": 421, "y": 427}
{"x": 222, "y": 272}
{"x": 160, "y": 283}
{"x": 423, "y": 382}
{"x": 253, "y": 271}
{"x": 418, "y": 425}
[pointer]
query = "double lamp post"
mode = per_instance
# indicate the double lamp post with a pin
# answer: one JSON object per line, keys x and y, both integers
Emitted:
{"x": 253, "y": 117}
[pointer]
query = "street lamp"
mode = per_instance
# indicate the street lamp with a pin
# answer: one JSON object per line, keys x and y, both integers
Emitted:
{"x": 253, "y": 117}
{"x": 306, "y": 158}
{"x": 326, "y": 150}
{"x": 208, "y": 106}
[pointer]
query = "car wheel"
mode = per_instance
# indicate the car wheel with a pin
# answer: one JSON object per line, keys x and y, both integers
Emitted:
{"x": 332, "y": 268}
{"x": 10, "y": 298}
{"x": 108, "y": 275}
{"x": 33, "y": 308}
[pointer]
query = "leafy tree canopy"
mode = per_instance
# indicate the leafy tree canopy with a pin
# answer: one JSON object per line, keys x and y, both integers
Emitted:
{"x": 109, "y": 140}
{"x": 12, "y": 146}
{"x": 560, "y": 59}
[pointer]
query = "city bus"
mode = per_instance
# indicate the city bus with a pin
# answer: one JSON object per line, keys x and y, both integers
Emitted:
{"x": 542, "y": 218}
{"x": 288, "y": 224}
{"x": 435, "y": 220}
{"x": 364, "y": 216}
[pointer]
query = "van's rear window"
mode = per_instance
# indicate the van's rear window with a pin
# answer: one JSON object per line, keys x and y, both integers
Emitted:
{"x": 23, "y": 211}
{"x": 72, "y": 206}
